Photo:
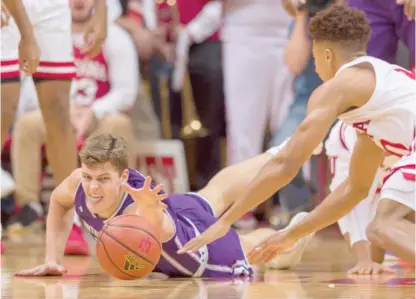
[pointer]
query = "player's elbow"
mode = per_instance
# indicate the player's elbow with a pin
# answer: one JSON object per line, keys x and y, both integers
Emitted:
{"x": 358, "y": 192}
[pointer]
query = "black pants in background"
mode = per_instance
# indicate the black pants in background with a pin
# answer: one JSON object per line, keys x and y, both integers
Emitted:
{"x": 205, "y": 71}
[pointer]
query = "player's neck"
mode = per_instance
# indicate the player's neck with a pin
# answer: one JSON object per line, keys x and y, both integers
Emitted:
{"x": 110, "y": 211}
{"x": 348, "y": 58}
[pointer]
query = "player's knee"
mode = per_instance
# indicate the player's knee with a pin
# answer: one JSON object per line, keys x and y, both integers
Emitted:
{"x": 29, "y": 125}
{"x": 117, "y": 124}
{"x": 376, "y": 231}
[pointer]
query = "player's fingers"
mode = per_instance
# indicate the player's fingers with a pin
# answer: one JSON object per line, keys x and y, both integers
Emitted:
{"x": 147, "y": 183}
{"x": 352, "y": 271}
{"x": 191, "y": 245}
{"x": 158, "y": 188}
{"x": 368, "y": 270}
{"x": 387, "y": 270}
{"x": 255, "y": 255}
{"x": 162, "y": 196}
{"x": 400, "y": 2}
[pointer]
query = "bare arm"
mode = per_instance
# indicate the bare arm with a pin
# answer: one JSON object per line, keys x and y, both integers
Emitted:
{"x": 298, "y": 49}
{"x": 326, "y": 103}
{"x": 60, "y": 218}
{"x": 282, "y": 168}
{"x": 366, "y": 159}
{"x": 148, "y": 204}
{"x": 157, "y": 217}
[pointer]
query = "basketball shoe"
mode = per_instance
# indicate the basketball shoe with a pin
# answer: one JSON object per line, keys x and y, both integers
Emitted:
{"x": 76, "y": 244}
{"x": 291, "y": 257}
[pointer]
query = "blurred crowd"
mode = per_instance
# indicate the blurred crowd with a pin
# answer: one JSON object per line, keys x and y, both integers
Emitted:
{"x": 228, "y": 78}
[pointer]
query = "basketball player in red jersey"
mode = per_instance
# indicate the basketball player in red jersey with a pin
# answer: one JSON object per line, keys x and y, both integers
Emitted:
{"x": 377, "y": 99}
{"x": 104, "y": 89}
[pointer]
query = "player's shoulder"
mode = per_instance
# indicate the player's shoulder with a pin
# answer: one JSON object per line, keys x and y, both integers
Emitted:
{"x": 73, "y": 181}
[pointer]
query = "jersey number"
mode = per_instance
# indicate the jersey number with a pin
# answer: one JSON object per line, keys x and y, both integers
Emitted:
{"x": 84, "y": 91}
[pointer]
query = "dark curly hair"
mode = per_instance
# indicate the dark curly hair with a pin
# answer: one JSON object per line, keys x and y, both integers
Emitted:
{"x": 340, "y": 23}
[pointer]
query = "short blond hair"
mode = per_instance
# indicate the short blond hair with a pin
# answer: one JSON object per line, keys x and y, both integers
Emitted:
{"x": 104, "y": 148}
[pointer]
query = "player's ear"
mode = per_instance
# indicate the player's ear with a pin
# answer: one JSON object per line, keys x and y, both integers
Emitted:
{"x": 124, "y": 176}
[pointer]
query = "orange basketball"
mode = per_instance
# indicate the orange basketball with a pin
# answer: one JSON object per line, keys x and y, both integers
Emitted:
{"x": 128, "y": 247}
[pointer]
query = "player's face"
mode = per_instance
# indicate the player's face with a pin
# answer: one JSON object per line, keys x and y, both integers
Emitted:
{"x": 325, "y": 65}
{"x": 101, "y": 184}
{"x": 81, "y": 10}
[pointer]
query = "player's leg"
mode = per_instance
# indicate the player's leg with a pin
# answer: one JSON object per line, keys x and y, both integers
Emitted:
{"x": 393, "y": 227}
{"x": 53, "y": 80}
{"x": 10, "y": 77}
{"x": 27, "y": 140}
{"x": 118, "y": 124}
{"x": 246, "y": 124}
{"x": 230, "y": 183}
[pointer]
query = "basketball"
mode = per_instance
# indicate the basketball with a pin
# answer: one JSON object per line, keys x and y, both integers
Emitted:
{"x": 128, "y": 247}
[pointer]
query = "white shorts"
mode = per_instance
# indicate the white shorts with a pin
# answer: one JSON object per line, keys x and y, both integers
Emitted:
{"x": 51, "y": 20}
{"x": 400, "y": 183}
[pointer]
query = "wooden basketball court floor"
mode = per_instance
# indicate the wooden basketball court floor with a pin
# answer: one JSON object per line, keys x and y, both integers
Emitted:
{"x": 321, "y": 274}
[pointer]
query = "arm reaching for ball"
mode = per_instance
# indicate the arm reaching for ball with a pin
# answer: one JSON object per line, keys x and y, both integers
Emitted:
{"x": 149, "y": 205}
{"x": 344, "y": 92}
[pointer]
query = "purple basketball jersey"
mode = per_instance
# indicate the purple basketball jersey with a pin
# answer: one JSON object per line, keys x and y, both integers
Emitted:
{"x": 191, "y": 215}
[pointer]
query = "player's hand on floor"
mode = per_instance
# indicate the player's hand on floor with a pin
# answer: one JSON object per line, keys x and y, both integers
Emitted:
{"x": 214, "y": 232}
{"x": 146, "y": 196}
{"x": 50, "y": 269}
{"x": 269, "y": 248}
{"x": 369, "y": 268}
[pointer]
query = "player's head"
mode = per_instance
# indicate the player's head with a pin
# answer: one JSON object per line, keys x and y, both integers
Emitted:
{"x": 104, "y": 161}
{"x": 339, "y": 33}
{"x": 81, "y": 10}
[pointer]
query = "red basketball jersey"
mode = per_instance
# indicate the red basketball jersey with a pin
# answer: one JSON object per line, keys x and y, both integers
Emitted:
{"x": 92, "y": 77}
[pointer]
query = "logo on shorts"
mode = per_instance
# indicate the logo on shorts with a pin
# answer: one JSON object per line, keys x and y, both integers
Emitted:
{"x": 131, "y": 264}
{"x": 145, "y": 245}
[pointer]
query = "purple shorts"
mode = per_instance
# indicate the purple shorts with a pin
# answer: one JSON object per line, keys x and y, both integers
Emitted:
{"x": 192, "y": 215}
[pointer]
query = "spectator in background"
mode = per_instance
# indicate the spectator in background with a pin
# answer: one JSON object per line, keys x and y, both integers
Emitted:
{"x": 391, "y": 21}
{"x": 102, "y": 94}
{"x": 297, "y": 195}
{"x": 192, "y": 42}
{"x": 135, "y": 17}
{"x": 257, "y": 82}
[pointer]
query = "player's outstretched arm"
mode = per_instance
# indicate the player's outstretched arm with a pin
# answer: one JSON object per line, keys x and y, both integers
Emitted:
{"x": 283, "y": 167}
{"x": 58, "y": 227}
{"x": 351, "y": 88}
{"x": 366, "y": 159}
{"x": 148, "y": 204}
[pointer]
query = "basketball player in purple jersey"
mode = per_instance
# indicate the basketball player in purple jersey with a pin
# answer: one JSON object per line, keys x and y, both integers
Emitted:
{"x": 103, "y": 188}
